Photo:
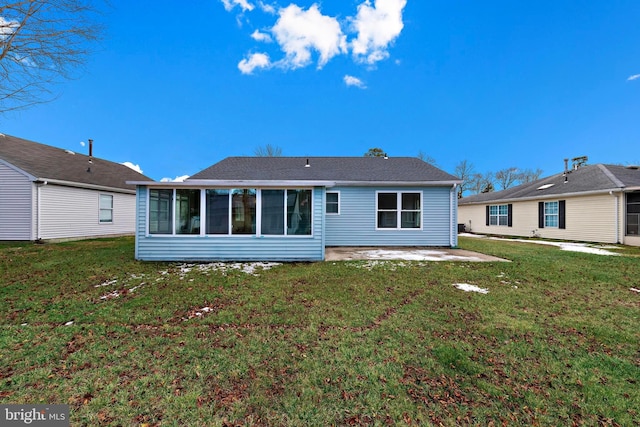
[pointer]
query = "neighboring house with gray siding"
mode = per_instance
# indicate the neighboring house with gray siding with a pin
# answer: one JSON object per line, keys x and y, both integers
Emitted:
{"x": 594, "y": 203}
{"x": 48, "y": 193}
{"x": 291, "y": 208}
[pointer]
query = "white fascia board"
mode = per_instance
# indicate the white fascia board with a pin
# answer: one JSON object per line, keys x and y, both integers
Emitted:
{"x": 543, "y": 197}
{"x": 46, "y": 181}
{"x": 208, "y": 183}
{"x": 397, "y": 183}
{"x": 204, "y": 183}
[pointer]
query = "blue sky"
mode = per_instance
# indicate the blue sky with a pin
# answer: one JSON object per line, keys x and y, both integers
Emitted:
{"x": 178, "y": 86}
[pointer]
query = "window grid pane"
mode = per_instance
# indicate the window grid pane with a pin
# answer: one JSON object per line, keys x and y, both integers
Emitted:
{"x": 217, "y": 206}
{"x": 551, "y": 214}
{"x": 332, "y": 204}
{"x": 387, "y": 219}
{"x": 243, "y": 211}
{"x": 633, "y": 224}
{"x": 387, "y": 201}
{"x": 272, "y": 212}
{"x": 498, "y": 215}
{"x": 298, "y": 212}
{"x": 160, "y": 211}
{"x": 106, "y": 208}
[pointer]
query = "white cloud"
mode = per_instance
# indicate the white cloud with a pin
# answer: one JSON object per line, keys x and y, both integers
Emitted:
{"x": 354, "y": 81}
{"x": 267, "y": 8}
{"x": 132, "y": 166}
{"x": 256, "y": 60}
{"x": 299, "y": 31}
{"x": 176, "y": 179}
{"x": 261, "y": 37}
{"x": 244, "y": 5}
{"x": 634, "y": 77}
{"x": 377, "y": 27}
{"x": 7, "y": 27}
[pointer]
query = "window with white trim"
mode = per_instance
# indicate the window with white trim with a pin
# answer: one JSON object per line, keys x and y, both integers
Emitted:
{"x": 398, "y": 210}
{"x": 633, "y": 214}
{"x": 160, "y": 211}
{"x": 332, "y": 205}
{"x": 499, "y": 215}
{"x": 551, "y": 214}
{"x": 106, "y": 208}
{"x": 243, "y": 211}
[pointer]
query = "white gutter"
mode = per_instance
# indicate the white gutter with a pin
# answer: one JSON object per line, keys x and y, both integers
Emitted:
{"x": 545, "y": 197}
{"x": 219, "y": 183}
{"x": 87, "y": 186}
{"x": 288, "y": 183}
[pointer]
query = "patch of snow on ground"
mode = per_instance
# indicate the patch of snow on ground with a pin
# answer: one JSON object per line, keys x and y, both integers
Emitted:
{"x": 386, "y": 264}
{"x": 634, "y": 290}
{"x": 182, "y": 270}
{"x": 470, "y": 288}
{"x": 565, "y": 246}
{"x": 107, "y": 283}
{"x": 245, "y": 267}
{"x": 415, "y": 255}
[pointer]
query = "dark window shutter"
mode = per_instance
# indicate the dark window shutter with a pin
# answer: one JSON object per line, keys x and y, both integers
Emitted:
{"x": 561, "y": 211}
{"x": 540, "y": 214}
{"x": 510, "y": 215}
{"x": 487, "y": 216}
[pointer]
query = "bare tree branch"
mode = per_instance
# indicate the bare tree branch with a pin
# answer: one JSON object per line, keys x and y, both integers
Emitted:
{"x": 507, "y": 177}
{"x": 464, "y": 170}
{"x": 42, "y": 42}
{"x": 268, "y": 151}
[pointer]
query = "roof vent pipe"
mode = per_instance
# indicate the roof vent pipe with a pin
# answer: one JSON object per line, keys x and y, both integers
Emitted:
{"x": 90, "y": 155}
{"x": 307, "y": 165}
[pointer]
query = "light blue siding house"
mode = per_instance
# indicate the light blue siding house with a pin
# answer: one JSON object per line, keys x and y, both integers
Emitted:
{"x": 292, "y": 208}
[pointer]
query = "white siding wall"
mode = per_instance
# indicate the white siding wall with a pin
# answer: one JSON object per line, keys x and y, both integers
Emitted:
{"x": 15, "y": 205}
{"x": 588, "y": 218}
{"x": 73, "y": 213}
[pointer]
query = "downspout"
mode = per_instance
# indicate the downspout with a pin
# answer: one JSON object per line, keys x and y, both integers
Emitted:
{"x": 39, "y": 184}
{"x": 451, "y": 215}
{"x": 617, "y": 210}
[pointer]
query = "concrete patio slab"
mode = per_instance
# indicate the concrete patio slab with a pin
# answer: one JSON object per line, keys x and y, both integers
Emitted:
{"x": 406, "y": 254}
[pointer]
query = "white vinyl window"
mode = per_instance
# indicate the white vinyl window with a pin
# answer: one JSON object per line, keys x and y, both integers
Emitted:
{"x": 241, "y": 211}
{"x": 399, "y": 210}
{"x": 551, "y": 216}
{"x": 499, "y": 215}
{"x": 106, "y": 209}
{"x": 333, "y": 203}
{"x": 633, "y": 214}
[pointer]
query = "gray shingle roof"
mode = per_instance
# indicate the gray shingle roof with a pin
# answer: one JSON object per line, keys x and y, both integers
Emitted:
{"x": 591, "y": 178}
{"x": 45, "y": 162}
{"x": 339, "y": 169}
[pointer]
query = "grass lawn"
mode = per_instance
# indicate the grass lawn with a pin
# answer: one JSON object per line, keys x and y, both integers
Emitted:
{"x": 555, "y": 341}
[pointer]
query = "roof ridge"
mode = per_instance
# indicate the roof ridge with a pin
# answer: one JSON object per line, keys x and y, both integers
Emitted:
{"x": 610, "y": 175}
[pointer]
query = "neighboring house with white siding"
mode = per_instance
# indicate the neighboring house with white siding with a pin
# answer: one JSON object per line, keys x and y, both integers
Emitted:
{"x": 594, "y": 203}
{"x": 48, "y": 193}
{"x": 291, "y": 208}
